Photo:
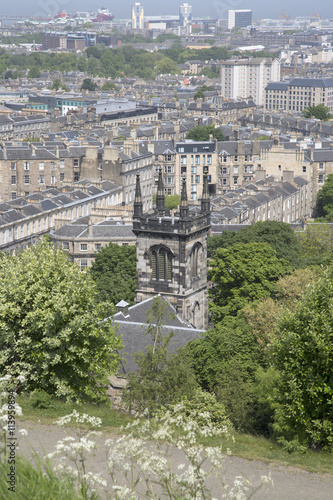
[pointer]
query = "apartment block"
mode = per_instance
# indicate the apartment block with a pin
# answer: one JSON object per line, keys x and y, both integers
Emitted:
{"x": 299, "y": 93}
{"x": 248, "y": 77}
{"x": 239, "y": 18}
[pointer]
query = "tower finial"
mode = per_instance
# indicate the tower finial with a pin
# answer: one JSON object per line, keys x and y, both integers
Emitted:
{"x": 183, "y": 201}
{"x": 160, "y": 196}
{"x": 138, "y": 207}
{"x": 205, "y": 201}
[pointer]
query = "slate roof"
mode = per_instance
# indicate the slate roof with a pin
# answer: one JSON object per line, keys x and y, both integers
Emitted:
{"x": 132, "y": 330}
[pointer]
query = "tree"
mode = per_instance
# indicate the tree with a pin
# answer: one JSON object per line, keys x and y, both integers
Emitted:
{"x": 88, "y": 84}
{"x": 51, "y": 328}
{"x": 324, "y": 201}
{"x": 172, "y": 201}
{"x": 167, "y": 66}
{"x": 34, "y": 72}
{"x": 199, "y": 95}
{"x": 320, "y": 111}
{"x": 303, "y": 355}
{"x": 57, "y": 84}
{"x": 114, "y": 272}
{"x": 242, "y": 274}
{"x": 202, "y": 133}
{"x": 278, "y": 235}
{"x": 162, "y": 378}
{"x": 316, "y": 242}
{"x": 109, "y": 86}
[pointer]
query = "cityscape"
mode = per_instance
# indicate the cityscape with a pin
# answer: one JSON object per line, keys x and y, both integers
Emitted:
{"x": 166, "y": 229}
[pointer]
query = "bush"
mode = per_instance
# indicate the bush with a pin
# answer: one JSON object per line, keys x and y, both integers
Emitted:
{"x": 201, "y": 408}
{"x": 41, "y": 399}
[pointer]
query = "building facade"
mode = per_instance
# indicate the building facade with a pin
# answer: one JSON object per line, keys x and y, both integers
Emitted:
{"x": 248, "y": 77}
{"x": 172, "y": 254}
{"x": 299, "y": 93}
{"x": 137, "y": 16}
{"x": 239, "y": 18}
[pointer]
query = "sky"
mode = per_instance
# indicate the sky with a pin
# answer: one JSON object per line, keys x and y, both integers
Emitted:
{"x": 200, "y": 8}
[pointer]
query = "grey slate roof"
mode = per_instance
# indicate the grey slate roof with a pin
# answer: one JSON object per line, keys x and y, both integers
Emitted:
{"x": 132, "y": 329}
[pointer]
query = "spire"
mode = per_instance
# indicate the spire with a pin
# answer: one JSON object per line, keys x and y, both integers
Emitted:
{"x": 160, "y": 196}
{"x": 183, "y": 201}
{"x": 205, "y": 201}
{"x": 138, "y": 210}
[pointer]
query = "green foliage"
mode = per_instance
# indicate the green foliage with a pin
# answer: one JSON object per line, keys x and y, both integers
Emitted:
{"x": 162, "y": 378}
{"x": 278, "y": 235}
{"x": 41, "y": 399}
{"x": 167, "y": 66}
{"x": 57, "y": 84}
{"x": 242, "y": 274}
{"x": 324, "y": 201}
{"x": 51, "y": 328}
{"x": 34, "y": 72}
{"x": 109, "y": 86}
{"x": 172, "y": 201}
{"x": 88, "y": 84}
{"x": 199, "y": 95}
{"x": 114, "y": 272}
{"x": 197, "y": 408}
{"x": 316, "y": 243}
{"x": 320, "y": 112}
{"x": 224, "y": 361}
{"x": 303, "y": 355}
{"x": 202, "y": 133}
{"x": 36, "y": 480}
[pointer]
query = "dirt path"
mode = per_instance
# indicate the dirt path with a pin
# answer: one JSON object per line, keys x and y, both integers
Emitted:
{"x": 289, "y": 483}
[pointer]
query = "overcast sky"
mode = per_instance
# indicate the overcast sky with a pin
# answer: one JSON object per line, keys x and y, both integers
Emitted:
{"x": 212, "y": 8}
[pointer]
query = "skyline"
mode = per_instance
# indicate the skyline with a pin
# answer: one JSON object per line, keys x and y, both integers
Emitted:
{"x": 214, "y": 9}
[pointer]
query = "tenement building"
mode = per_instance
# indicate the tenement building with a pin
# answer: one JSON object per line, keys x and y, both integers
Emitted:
{"x": 172, "y": 253}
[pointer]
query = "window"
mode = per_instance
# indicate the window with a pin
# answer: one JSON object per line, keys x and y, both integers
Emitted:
{"x": 52, "y": 179}
{"x": 193, "y": 170}
{"x": 180, "y": 150}
{"x": 13, "y": 165}
{"x": 209, "y": 159}
{"x": 183, "y": 160}
{"x": 84, "y": 247}
{"x": 98, "y": 246}
{"x": 197, "y": 159}
{"x": 41, "y": 179}
{"x": 279, "y": 168}
{"x": 235, "y": 170}
{"x": 236, "y": 159}
{"x": 41, "y": 165}
{"x": 224, "y": 159}
{"x": 193, "y": 192}
{"x": 197, "y": 179}
{"x": 321, "y": 167}
{"x": 224, "y": 182}
{"x": 62, "y": 176}
{"x": 161, "y": 261}
{"x": 320, "y": 178}
{"x": 13, "y": 179}
{"x": 235, "y": 180}
{"x": 224, "y": 170}
{"x": 65, "y": 245}
{"x": 62, "y": 163}
{"x": 26, "y": 165}
{"x": 83, "y": 264}
{"x": 27, "y": 179}
{"x": 195, "y": 258}
{"x": 183, "y": 170}
{"x": 76, "y": 162}
{"x": 304, "y": 169}
{"x": 52, "y": 164}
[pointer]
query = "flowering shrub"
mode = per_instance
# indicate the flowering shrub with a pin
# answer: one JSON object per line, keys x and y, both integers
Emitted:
{"x": 203, "y": 409}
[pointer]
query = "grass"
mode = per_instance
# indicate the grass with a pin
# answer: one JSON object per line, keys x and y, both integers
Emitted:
{"x": 246, "y": 446}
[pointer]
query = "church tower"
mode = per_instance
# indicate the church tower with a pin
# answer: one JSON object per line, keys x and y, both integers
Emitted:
{"x": 172, "y": 253}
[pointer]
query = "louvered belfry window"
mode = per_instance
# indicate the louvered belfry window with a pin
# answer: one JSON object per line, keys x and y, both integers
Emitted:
{"x": 161, "y": 262}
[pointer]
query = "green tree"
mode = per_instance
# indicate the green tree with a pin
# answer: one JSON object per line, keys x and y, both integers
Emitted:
{"x": 202, "y": 133}
{"x": 166, "y": 66}
{"x": 316, "y": 242}
{"x": 88, "y": 84}
{"x": 109, "y": 86}
{"x": 57, "y": 84}
{"x": 51, "y": 328}
{"x": 114, "y": 271}
{"x": 199, "y": 95}
{"x": 303, "y": 355}
{"x": 172, "y": 201}
{"x": 320, "y": 111}
{"x": 324, "y": 201}
{"x": 34, "y": 72}
{"x": 242, "y": 274}
{"x": 278, "y": 235}
{"x": 162, "y": 378}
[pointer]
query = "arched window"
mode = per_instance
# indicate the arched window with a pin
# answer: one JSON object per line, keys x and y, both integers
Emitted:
{"x": 161, "y": 262}
{"x": 195, "y": 256}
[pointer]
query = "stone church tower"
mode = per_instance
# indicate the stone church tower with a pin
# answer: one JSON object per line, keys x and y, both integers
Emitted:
{"x": 172, "y": 254}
